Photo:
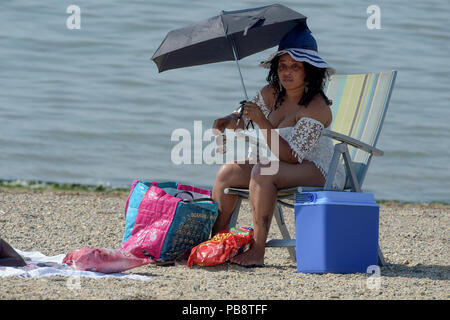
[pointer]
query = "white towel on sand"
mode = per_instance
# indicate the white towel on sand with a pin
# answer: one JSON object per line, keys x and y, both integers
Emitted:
{"x": 39, "y": 265}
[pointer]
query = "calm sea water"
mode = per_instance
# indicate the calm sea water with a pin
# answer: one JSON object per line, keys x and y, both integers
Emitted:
{"x": 88, "y": 106}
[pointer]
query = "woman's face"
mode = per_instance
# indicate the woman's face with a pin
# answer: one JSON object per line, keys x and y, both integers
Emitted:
{"x": 290, "y": 72}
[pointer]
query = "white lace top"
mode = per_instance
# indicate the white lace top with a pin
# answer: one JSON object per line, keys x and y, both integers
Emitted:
{"x": 306, "y": 142}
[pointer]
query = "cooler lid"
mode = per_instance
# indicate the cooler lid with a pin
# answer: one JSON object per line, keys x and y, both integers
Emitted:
{"x": 335, "y": 197}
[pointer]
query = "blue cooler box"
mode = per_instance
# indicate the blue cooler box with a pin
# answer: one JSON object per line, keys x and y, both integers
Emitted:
{"x": 336, "y": 232}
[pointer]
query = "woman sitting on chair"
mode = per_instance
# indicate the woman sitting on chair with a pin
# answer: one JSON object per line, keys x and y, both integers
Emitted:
{"x": 293, "y": 110}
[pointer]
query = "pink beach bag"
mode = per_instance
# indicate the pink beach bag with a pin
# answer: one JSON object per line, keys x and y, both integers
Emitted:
{"x": 166, "y": 220}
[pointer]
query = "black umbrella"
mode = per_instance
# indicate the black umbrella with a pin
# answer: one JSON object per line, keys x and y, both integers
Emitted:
{"x": 232, "y": 35}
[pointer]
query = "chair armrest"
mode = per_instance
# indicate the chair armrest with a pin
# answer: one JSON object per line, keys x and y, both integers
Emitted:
{"x": 353, "y": 142}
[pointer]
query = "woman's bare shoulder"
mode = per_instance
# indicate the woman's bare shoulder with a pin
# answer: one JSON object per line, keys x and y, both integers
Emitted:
{"x": 318, "y": 110}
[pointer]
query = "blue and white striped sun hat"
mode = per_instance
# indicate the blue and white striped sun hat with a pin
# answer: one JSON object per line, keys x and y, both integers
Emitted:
{"x": 301, "y": 46}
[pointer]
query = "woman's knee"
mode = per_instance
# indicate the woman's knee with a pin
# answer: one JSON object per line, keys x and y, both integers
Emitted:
{"x": 260, "y": 175}
{"x": 227, "y": 173}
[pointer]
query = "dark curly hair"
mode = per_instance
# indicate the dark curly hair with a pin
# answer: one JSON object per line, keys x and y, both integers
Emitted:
{"x": 315, "y": 79}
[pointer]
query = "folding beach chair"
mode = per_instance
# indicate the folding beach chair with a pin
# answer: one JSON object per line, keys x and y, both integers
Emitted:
{"x": 359, "y": 107}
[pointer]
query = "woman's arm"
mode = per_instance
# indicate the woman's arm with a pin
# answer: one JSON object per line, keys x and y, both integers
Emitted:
{"x": 284, "y": 150}
{"x": 305, "y": 134}
{"x": 228, "y": 122}
{"x": 232, "y": 121}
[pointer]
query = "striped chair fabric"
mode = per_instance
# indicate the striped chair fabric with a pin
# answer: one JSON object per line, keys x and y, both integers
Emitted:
{"x": 359, "y": 106}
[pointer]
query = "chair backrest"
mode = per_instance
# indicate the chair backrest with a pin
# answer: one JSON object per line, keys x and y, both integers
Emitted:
{"x": 360, "y": 102}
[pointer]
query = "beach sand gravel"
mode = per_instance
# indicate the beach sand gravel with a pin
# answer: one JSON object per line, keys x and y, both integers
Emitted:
{"x": 413, "y": 237}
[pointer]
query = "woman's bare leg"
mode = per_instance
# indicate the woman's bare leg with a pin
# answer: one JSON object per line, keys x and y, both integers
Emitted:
{"x": 263, "y": 195}
{"x": 229, "y": 175}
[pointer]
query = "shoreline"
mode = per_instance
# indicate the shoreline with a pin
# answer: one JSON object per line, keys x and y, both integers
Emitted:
{"x": 413, "y": 238}
{"x": 38, "y": 185}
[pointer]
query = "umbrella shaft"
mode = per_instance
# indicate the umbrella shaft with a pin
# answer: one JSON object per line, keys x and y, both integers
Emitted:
{"x": 239, "y": 68}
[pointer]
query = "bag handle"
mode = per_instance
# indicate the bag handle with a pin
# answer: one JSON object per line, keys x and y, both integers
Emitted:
{"x": 192, "y": 200}
{"x": 185, "y": 191}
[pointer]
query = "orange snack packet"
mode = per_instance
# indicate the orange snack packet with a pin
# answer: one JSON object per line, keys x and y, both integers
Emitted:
{"x": 221, "y": 247}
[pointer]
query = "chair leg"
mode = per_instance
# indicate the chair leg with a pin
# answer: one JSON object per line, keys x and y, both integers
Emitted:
{"x": 235, "y": 213}
{"x": 278, "y": 213}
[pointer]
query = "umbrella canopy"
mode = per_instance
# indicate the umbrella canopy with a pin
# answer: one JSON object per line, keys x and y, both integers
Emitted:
{"x": 232, "y": 35}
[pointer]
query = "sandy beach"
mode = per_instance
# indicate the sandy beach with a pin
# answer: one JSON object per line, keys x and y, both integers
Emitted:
{"x": 413, "y": 237}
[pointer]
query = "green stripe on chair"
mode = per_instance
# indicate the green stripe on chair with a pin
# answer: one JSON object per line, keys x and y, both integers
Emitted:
{"x": 348, "y": 103}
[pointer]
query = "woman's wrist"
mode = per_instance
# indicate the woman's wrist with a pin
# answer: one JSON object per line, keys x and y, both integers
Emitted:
{"x": 233, "y": 120}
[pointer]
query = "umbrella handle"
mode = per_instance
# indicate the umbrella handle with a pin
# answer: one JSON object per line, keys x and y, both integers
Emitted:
{"x": 241, "y": 113}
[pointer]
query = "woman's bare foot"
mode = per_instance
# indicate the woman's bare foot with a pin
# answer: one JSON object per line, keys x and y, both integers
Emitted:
{"x": 250, "y": 258}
